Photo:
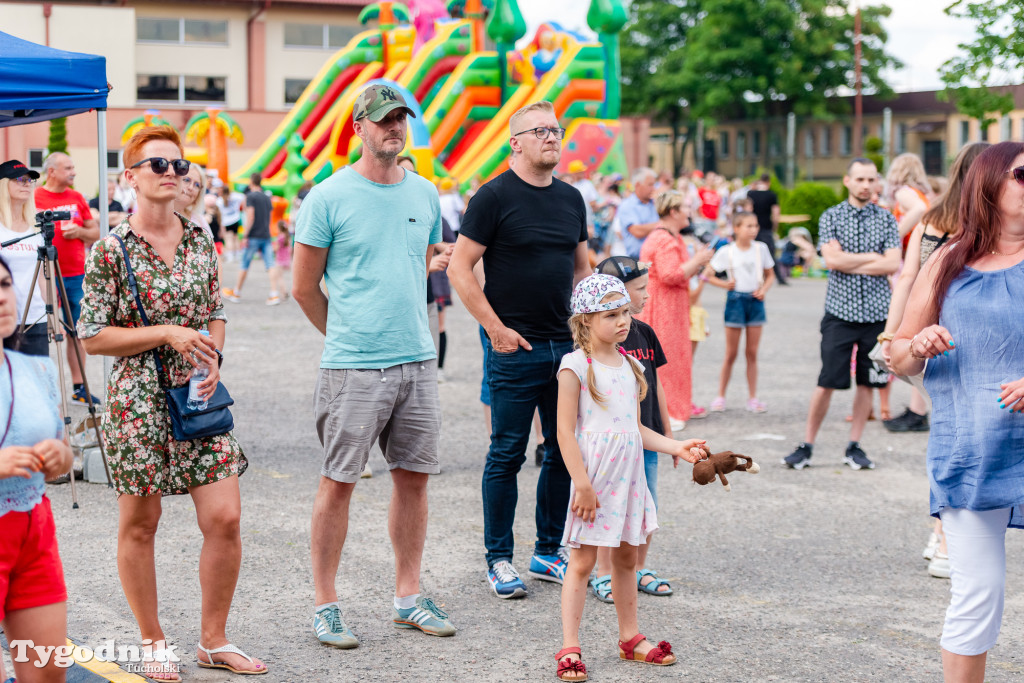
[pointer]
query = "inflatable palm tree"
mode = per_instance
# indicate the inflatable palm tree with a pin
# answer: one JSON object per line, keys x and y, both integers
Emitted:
{"x": 212, "y": 129}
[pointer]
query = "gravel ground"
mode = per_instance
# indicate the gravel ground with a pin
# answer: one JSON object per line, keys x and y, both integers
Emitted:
{"x": 798, "y": 576}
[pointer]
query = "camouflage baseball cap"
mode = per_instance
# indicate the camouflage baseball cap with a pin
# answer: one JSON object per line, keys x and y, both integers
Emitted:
{"x": 377, "y": 101}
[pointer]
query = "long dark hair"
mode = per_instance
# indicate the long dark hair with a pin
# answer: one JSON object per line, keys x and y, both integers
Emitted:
{"x": 13, "y": 340}
{"x": 980, "y": 219}
{"x": 945, "y": 212}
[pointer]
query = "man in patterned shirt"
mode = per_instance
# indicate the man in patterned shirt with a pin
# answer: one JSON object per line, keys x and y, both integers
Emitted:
{"x": 860, "y": 244}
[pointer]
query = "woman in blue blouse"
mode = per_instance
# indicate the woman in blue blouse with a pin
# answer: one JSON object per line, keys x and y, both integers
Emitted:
{"x": 32, "y": 594}
{"x": 963, "y": 320}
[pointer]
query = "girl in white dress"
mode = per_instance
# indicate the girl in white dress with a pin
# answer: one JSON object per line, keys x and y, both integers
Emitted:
{"x": 602, "y": 442}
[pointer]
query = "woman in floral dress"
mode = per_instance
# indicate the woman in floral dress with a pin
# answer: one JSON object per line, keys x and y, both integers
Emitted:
{"x": 176, "y": 269}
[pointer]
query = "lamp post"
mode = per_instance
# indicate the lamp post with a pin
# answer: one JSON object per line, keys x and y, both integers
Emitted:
{"x": 858, "y": 105}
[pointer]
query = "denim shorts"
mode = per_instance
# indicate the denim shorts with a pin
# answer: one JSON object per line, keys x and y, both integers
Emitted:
{"x": 73, "y": 287}
{"x": 743, "y": 310}
{"x": 253, "y": 245}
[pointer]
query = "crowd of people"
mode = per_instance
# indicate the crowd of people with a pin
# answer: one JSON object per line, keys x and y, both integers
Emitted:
{"x": 587, "y": 294}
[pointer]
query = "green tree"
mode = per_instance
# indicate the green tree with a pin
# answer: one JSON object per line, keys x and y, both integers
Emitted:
{"x": 58, "y": 136}
{"x": 994, "y": 59}
{"x": 683, "y": 60}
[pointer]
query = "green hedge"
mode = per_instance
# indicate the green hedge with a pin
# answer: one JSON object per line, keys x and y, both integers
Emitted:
{"x": 807, "y": 198}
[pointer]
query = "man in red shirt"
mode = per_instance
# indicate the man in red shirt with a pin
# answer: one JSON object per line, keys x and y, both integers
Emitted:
{"x": 70, "y": 238}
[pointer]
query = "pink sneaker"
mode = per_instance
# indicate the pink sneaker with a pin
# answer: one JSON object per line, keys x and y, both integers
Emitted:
{"x": 755, "y": 406}
{"x": 698, "y": 412}
{"x": 718, "y": 405}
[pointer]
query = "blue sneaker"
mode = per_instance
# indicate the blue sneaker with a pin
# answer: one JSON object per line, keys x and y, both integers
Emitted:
{"x": 548, "y": 567}
{"x": 330, "y": 629}
{"x": 505, "y": 580}
{"x": 426, "y": 616}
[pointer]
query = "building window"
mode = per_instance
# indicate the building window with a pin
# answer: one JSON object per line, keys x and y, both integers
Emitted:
{"x": 293, "y": 89}
{"x": 965, "y": 132}
{"x": 181, "y": 89}
{"x": 809, "y": 143}
{"x": 741, "y": 145}
{"x": 36, "y": 158}
{"x": 181, "y": 31}
{"x": 1005, "y": 129}
{"x": 114, "y": 160}
{"x": 723, "y": 144}
{"x": 756, "y": 151}
{"x": 901, "y": 138}
{"x": 825, "y": 148}
{"x": 318, "y": 36}
{"x": 846, "y": 141}
{"x": 774, "y": 144}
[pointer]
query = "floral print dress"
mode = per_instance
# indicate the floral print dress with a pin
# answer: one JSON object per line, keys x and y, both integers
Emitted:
{"x": 143, "y": 456}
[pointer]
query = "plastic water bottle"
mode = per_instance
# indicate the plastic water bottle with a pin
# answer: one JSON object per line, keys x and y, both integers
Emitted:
{"x": 198, "y": 375}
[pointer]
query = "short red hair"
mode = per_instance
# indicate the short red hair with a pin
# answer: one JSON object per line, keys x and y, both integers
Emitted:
{"x": 133, "y": 150}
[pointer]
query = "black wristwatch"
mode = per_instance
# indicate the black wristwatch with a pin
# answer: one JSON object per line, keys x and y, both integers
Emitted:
{"x": 220, "y": 357}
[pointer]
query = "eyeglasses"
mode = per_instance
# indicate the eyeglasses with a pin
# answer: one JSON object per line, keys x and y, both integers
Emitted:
{"x": 542, "y": 132}
{"x": 24, "y": 181}
{"x": 159, "y": 165}
{"x": 188, "y": 181}
{"x": 1018, "y": 174}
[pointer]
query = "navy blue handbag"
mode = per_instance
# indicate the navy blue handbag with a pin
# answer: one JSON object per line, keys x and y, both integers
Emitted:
{"x": 186, "y": 424}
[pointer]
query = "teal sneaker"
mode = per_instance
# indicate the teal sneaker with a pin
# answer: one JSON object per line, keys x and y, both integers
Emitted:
{"x": 426, "y": 616}
{"x": 331, "y": 630}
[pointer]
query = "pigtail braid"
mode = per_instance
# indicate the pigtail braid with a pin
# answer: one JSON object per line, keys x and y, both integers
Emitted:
{"x": 581, "y": 337}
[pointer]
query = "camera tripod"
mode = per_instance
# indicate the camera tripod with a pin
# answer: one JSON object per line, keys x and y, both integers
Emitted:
{"x": 59, "y": 327}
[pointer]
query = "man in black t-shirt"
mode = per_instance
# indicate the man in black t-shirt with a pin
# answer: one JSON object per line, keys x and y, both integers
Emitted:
{"x": 258, "y": 210}
{"x": 530, "y": 229}
{"x": 766, "y": 208}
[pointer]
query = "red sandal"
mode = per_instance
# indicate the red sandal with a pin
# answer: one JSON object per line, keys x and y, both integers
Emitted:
{"x": 570, "y": 666}
{"x": 661, "y": 655}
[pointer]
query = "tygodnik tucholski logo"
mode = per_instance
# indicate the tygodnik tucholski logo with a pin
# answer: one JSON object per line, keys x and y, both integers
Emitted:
{"x": 129, "y": 657}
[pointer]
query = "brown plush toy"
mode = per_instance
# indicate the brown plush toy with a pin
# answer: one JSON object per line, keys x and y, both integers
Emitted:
{"x": 720, "y": 464}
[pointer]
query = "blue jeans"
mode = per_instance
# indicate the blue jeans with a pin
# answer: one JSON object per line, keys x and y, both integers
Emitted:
{"x": 519, "y": 382}
{"x": 651, "y": 472}
{"x": 255, "y": 245}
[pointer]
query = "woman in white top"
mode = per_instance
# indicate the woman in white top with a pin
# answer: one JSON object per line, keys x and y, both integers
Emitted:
{"x": 17, "y": 218}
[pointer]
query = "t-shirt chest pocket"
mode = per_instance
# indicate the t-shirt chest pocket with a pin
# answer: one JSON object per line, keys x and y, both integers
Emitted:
{"x": 417, "y": 235}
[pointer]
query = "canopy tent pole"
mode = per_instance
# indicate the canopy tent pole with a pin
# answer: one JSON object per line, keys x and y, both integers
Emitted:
{"x": 101, "y": 143}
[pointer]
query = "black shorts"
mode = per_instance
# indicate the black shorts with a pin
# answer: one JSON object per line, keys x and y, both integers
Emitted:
{"x": 234, "y": 227}
{"x": 838, "y": 337}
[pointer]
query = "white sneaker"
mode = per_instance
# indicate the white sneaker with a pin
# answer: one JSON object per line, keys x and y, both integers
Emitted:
{"x": 367, "y": 472}
{"x": 677, "y": 425}
{"x": 441, "y": 379}
{"x": 933, "y": 545}
{"x": 939, "y": 566}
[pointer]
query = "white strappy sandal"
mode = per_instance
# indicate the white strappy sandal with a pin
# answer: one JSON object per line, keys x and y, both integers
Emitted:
{"x": 229, "y": 648}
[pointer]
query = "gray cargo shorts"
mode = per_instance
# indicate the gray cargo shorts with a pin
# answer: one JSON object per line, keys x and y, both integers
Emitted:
{"x": 397, "y": 405}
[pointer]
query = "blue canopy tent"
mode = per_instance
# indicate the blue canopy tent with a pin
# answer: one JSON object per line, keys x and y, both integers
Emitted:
{"x": 39, "y": 83}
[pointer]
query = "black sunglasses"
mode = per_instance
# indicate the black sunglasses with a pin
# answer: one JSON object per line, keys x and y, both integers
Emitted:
{"x": 1018, "y": 174}
{"x": 159, "y": 165}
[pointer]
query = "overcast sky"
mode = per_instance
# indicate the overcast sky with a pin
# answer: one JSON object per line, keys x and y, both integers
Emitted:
{"x": 920, "y": 34}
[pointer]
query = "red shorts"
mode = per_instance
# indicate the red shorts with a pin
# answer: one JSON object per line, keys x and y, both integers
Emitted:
{"x": 31, "y": 574}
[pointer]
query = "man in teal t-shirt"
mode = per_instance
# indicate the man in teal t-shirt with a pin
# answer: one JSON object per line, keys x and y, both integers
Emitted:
{"x": 369, "y": 231}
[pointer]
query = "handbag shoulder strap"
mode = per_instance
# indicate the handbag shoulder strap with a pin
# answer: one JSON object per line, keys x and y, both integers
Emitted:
{"x": 134, "y": 286}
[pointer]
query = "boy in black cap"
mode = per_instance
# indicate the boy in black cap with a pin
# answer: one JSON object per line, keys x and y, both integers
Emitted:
{"x": 641, "y": 343}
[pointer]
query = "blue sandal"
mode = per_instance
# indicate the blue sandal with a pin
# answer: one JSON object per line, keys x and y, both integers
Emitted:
{"x": 602, "y": 587}
{"x": 652, "y": 587}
